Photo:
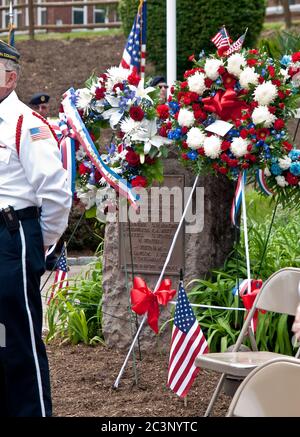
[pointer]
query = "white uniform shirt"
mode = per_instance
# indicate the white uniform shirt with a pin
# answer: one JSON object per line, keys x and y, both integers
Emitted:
{"x": 36, "y": 177}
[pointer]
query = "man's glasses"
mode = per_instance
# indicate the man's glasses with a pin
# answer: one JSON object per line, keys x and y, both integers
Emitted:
{"x": 163, "y": 86}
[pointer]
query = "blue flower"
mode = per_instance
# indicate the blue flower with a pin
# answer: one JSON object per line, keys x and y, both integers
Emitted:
{"x": 294, "y": 154}
{"x": 263, "y": 72}
{"x": 295, "y": 168}
{"x": 286, "y": 60}
{"x": 192, "y": 155}
{"x": 276, "y": 170}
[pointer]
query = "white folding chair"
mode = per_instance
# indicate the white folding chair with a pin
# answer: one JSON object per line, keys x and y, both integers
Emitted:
{"x": 270, "y": 390}
{"x": 278, "y": 294}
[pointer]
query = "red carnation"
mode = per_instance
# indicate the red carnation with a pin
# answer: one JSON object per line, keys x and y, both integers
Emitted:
{"x": 292, "y": 180}
{"x": 281, "y": 95}
{"x": 251, "y": 62}
{"x": 139, "y": 181}
{"x": 288, "y": 147}
{"x": 149, "y": 160}
{"x": 201, "y": 151}
{"x": 185, "y": 145}
{"x": 132, "y": 158}
{"x": 187, "y": 99}
{"x": 244, "y": 133}
{"x": 118, "y": 85}
{"x": 272, "y": 109}
{"x": 279, "y": 124}
{"x": 83, "y": 169}
{"x": 276, "y": 82}
{"x": 281, "y": 105}
{"x": 200, "y": 115}
{"x": 184, "y": 130}
{"x": 229, "y": 81}
{"x": 208, "y": 82}
{"x": 136, "y": 113}
{"x": 245, "y": 165}
{"x": 221, "y": 70}
{"x": 225, "y": 145}
{"x": 183, "y": 85}
{"x": 232, "y": 162}
{"x": 223, "y": 170}
{"x": 271, "y": 70}
{"x": 163, "y": 131}
{"x": 224, "y": 157}
{"x": 261, "y": 79}
{"x": 191, "y": 58}
{"x": 133, "y": 79}
{"x": 296, "y": 57}
{"x": 163, "y": 111}
{"x": 184, "y": 156}
{"x": 100, "y": 93}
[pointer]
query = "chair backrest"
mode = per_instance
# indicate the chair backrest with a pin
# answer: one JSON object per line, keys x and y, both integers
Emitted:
{"x": 270, "y": 390}
{"x": 280, "y": 292}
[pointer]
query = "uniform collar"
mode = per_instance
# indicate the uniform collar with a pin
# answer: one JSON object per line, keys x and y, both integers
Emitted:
{"x": 8, "y": 107}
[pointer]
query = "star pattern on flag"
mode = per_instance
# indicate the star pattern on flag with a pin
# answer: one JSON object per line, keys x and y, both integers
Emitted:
{"x": 184, "y": 316}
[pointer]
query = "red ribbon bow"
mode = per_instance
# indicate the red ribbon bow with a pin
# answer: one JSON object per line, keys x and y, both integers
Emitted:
{"x": 248, "y": 299}
{"x": 143, "y": 300}
{"x": 225, "y": 104}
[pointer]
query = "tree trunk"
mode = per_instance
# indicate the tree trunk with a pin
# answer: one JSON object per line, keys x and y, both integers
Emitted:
{"x": 287, "y": 13}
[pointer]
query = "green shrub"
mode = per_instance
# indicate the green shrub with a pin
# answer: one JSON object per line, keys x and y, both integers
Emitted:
{"x": 197, "y": 22}
{"x": 281, "y": 43}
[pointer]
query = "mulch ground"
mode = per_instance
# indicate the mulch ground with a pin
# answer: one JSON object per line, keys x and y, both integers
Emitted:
{"x": 82, "y": 380}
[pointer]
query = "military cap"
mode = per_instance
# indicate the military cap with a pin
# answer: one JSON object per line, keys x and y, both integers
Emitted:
{"x": 39, "y": 98}
{"x": 156, "y": 80}
{"x": 9, "y": 52}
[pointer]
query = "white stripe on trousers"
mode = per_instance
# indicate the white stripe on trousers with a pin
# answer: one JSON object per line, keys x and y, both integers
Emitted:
{"x": 33, "y": 345}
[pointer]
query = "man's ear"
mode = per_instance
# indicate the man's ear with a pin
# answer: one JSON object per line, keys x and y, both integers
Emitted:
{"x": 12, "y": 79}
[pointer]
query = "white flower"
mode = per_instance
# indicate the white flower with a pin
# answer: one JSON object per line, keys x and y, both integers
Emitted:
{"x": 84, "y": 97}
{"x": 211, "y": 68}
{"x": 281, "y": 181}
{"x": 265, "y": 93}
{"x": 129, "y": 126}
{"x": 116, "y": 75}
{"x": 141, "y": 91}
{"x": 284, "y": 162}
{"x": 285, "y": 74}
{"x": 196, "y": 83}
{"x": 148, "y": 135}
{"x": 262, "y": 115}
{"x": 248, "y": 77}
{"x": 88, "y": 198}
{"x": 296, "y": 80}
{"x": 267, "y": 172}
{"x": 212, "y": 146}
{"x": 235, "y": 63}
{"x": 239, "y": 147}
{"x": 185, "y": 117}
{"x": 80, "y": 154}
{"x": 195, "y": 138}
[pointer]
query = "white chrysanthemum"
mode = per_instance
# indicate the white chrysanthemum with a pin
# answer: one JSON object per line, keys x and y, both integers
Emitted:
{"x": 116, "y": 75}
{"x": 195, "y": 138}
{"x": 262, "y": 115}
{"x": 239, "y": 147}
{"x": 80, "y": 154}
{"x": 235, "y": 63}
{"x": 285, "y": 162}
{"x": 84, "y": 97}
{"x": 267, "y": 172}
{"x": 185, "y": 118}
{"x": 196, "y": 83}
{"x": 129, "y": 126}
{"x": 248, "y": 77}
{"x": 281, "y": 181}
{"x": 211, "y": 68}
{"x": 212, "y": 146}
{"x": 265, "y": 93}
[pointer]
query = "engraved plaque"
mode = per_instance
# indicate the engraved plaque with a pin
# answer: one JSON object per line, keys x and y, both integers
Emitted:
{"x": 151, "y": 240}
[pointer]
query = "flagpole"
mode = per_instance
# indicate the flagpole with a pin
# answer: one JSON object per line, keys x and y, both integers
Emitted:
{"x": 171, "y": 42}
{"x": 11, "y": 24}
{"x": 116, "y": 384}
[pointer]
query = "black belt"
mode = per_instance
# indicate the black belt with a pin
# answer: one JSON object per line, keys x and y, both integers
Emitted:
{"x": 24, "y": 214}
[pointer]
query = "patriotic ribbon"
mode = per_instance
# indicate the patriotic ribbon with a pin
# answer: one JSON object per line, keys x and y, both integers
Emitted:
{"x": 261, "y": 180}
{"x": 67, "y": 151}
{"x": 83, "y": 137}
{"x": 144, "y": 300}
{"x": 248, "y": 298}
{"x": 237, "y": 200}
{"x": 225, "y": 104}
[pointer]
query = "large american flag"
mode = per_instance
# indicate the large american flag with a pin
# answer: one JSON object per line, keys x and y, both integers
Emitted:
{"x": 221, "y": 39}
{"x": 61, "y": 274}
{"x": 187, "y": 343}
{"x": 134, "y": 55}
{"x": 237, "y": 45}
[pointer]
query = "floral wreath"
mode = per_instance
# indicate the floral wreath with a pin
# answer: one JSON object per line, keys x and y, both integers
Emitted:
{"x": 229, "y": 114}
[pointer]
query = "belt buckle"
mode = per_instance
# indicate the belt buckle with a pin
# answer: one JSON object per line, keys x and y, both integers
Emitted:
{"x": 10, "y": 218}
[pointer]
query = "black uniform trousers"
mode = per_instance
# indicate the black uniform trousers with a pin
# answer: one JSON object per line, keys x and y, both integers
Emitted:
{"x": 24, "y": 372}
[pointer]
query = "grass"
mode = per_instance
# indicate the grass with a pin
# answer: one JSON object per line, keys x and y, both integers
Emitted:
{"x": 71, "y": 35}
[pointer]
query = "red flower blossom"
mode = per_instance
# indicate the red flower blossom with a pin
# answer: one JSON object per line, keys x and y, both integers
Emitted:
{"x": 133, "y": 79}
{"x": 99, "y": 94}
{"x": 132, "y": 158}
{"x": 229, "y": 81}
{"x": 276, "y": 82}
{"x": 244, "y": 133}
{"x": 288, "y": 147}
{"x": 184, "y": 156}
{"x": 272, "y": 109}
{"x": 183, "y": 85}
{"x": 201, "y": 151}
{"x": 185, "y": 145}
{"x": 149, "y": 160}
{"x": 225, "y": 145}
{"x": 281, "y": 95}
{"x": 136, "y": 113}
{"x": 223, "y": 170}
{"x": 253, "y": 52}
{"x": 139, "y": 181}
{"x": 163, "y": 131}
{"x": 83, "y": 169}
{"x": 233, "y": 162}
{"x": 296, "y": 57}
{"x": 261, "y": 79}
{"x": 271, "y": 70}
{"x": 262, "y": 133}
{"x": 245, "y": 165}
{"x": 208, "y": 82}
{"x": 118, "y": 85}
{"x": 279, "y": 124}
{"x": 281, "y": 105}
{"x": 184, "y": 130}
{"x": 251, "y": 62}
{"x": 191, "y": 58}
{"x": 163, "y": 111}
{"x": 292, "y": 180}
{"x": 221, "y": 70}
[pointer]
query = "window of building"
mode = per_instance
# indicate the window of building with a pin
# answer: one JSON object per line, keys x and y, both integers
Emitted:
{"x": 41, "y": 14}
{"x": 79, "y": 14}
{"x": 5, "y": 15}
{"x": 100, "y": 15}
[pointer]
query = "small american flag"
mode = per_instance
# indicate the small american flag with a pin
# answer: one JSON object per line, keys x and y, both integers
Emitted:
{"x": 221, "y": 39}
{"x": 61, "y": 274}
{"x": 187, "y": 343}
{"x": 40, "y": 133}
{"x": 237, "y": 45}
{"x": 134, "y": 55}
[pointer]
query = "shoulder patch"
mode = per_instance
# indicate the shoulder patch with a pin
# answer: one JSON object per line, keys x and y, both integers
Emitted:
{"x": 40, "y": 133}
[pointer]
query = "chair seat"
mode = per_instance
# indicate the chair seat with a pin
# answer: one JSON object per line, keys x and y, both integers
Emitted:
{"x": 236, "y": 363}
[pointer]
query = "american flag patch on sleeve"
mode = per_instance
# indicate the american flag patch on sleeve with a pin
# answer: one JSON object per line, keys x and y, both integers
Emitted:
{"x": 40, "y": 133}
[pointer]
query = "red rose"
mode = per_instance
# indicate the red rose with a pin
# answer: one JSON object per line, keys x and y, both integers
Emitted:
{"x": 172, "y": 89}
{"x": 187, "y": 100}
{"x": 183, "y": 85}
{"x": 221, "y": 51}
{"x": 292, "y": 180}
{"x": 296, "y": 57}
{"x": 251, "y": 62}
{"x": 139, "y": 181}
{"x": 99, "y": 94}
{"x": 252, "y": 131}
{"x": 193, "y": 96}
{"x": 237, "y": 123}
{"x": 233, "y": 162}
{"x": 133, "y": 79}
{"x": 83, "y": 169}
{"x": 200, "y": 115}
{"x": 279, "y": 124}
{"x": 136, "y": 113}
{"x": 132, "y": 158}
{"x": 163, "y": 111}
{"x": 191, "y": 58}
{"x": 244, "y": 133}
{"x": 271, "y": 70}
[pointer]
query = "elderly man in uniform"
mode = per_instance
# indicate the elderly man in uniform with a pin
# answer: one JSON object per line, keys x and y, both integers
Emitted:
{"x": 34, "y": 208}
